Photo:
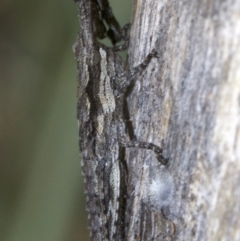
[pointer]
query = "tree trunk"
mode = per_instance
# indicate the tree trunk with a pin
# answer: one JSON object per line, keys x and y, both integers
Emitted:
{"x": 190, "y": 98}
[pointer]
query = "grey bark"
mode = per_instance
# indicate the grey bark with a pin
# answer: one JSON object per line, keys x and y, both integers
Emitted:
{"x": 190, "y": 98}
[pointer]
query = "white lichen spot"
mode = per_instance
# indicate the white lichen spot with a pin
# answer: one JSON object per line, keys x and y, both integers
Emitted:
{"x": 161, "y": 189}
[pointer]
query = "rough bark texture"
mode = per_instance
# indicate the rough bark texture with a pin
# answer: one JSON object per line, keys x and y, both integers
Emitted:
{"x": 190, "y": 98}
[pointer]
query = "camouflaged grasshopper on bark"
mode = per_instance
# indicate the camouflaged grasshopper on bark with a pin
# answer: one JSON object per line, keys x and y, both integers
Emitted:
{"x": 102, "y": 83}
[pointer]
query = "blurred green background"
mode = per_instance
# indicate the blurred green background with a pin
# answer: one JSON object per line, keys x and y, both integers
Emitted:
{"x": 41, "y": 190}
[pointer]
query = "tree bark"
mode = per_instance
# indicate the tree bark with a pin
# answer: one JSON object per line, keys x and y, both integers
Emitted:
{"x": 190, "y": 98}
